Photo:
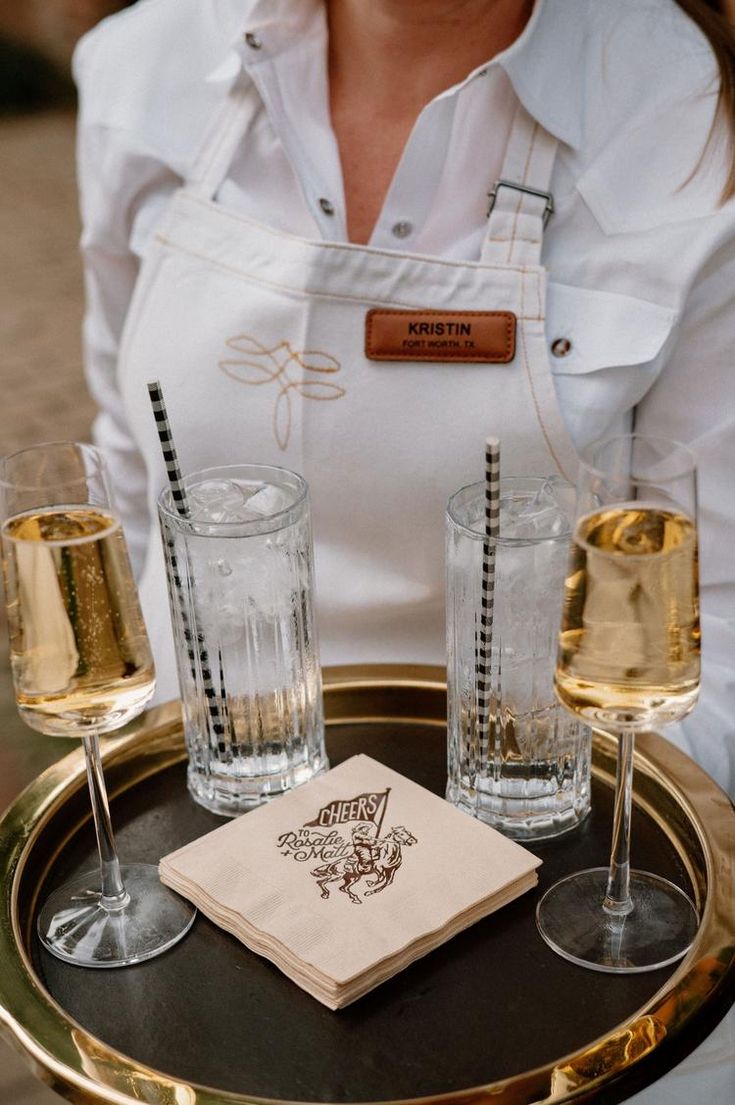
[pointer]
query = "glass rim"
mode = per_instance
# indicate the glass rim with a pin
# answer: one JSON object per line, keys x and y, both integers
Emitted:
{"x": 253, "y": 527}
{"x": 595, "y": 446}
{"x": 85, "y": 447}
{"x": 508, "y": 542}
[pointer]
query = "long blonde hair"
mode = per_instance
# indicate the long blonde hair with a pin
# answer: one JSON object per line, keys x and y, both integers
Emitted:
{"x": 714, "y": 19}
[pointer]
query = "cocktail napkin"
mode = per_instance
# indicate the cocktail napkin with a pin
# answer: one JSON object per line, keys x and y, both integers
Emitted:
{"x": 346, "y": 880}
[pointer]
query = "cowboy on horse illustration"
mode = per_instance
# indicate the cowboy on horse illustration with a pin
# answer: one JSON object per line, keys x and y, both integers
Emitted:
{"x": 371, "y": 855}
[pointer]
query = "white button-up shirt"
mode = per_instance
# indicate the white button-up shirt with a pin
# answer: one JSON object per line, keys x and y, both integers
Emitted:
{"x": 641, "y": 254}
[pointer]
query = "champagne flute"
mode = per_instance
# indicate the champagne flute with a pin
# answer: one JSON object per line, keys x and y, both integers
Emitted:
{"x": 82, "y": 666}
{"x": 628, "y": 661}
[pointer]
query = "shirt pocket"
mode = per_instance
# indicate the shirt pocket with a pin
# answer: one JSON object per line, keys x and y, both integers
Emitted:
{"x": 605, "y": 352}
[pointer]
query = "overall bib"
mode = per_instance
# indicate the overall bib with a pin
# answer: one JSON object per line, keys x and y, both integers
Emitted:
{"x": 258, "y": 339}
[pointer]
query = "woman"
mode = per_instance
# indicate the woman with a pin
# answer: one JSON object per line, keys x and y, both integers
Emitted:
{"x": 257, "y": 177}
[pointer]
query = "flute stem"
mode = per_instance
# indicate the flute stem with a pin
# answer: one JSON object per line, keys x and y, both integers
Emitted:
{"x": 617, "y": 899}
{"x": 114, "y": 896}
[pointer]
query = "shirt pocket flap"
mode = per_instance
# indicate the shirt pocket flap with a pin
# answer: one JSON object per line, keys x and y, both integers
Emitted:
{"x": 591, "y": 330}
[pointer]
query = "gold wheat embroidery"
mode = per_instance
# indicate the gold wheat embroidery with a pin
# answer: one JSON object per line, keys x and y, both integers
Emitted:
{"x": 271, "y": 366}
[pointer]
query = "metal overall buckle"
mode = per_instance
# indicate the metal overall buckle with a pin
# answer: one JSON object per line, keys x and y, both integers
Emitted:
{"x": 548, "y": 208}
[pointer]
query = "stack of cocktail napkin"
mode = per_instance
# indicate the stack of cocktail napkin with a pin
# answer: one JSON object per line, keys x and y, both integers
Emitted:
{"x": 346, "y": 880}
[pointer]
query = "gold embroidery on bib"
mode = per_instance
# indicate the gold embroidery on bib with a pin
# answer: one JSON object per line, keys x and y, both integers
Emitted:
{"x": 271, "y": 365}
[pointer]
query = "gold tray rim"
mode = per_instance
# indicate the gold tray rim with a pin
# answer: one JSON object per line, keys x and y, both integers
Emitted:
{"x": 86, "y": 1070}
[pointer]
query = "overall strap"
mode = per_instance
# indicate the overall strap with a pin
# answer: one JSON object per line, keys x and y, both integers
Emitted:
{"x": 221, "y": 140}
{"x": 520, "y": 202}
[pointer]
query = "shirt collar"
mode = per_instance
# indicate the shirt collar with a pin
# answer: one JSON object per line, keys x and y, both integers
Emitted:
{"x": 275, "y": 25}
{"x": 546, "y": 63}
{"x": 546, "y": 66}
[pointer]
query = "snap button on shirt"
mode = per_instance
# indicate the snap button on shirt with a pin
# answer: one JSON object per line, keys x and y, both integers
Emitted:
{"x": 561, "y": 347}
{"x": 402, "y": 229}
{"x": 253, "y": 41}
{"x": 326, "y": 206}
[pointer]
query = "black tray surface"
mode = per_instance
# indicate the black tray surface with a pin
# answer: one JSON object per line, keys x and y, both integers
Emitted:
{"x": 491, "y": 1003}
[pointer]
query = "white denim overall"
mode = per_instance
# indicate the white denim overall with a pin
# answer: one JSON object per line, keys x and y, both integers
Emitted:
{"x": 258, "y": 339}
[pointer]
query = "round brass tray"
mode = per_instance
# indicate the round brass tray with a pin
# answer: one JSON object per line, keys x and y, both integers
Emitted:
{"x": 684, "y": 826}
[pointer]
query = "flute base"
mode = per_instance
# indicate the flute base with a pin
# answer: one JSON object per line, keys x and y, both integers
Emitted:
{"x": 74, "y": 925}
{"x": 657, "y": 931}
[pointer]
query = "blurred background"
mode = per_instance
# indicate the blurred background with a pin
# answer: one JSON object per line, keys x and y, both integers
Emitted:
{"x": 40, "y": 289}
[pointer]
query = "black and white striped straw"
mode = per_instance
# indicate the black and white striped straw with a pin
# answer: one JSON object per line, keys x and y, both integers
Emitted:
{"x": 487, "y": 598}
{"x": 195, "y": 643}
{"x": 168, "y": 448}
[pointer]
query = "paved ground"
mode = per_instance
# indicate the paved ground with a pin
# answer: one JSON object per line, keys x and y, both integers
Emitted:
{"x": 40, "y": 285}
{"x": 42, "y": 395}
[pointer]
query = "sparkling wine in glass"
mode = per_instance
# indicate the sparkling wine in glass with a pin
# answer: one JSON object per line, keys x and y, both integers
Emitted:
{"x": 82, "y": 666}
{"x": 628, "y": 661}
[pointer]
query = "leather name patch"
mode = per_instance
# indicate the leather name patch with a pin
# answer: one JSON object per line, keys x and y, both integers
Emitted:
{"x": 485, "y": 336}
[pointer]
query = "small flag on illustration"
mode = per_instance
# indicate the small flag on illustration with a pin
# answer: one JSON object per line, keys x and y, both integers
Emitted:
{"x": 363, "y": 807}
